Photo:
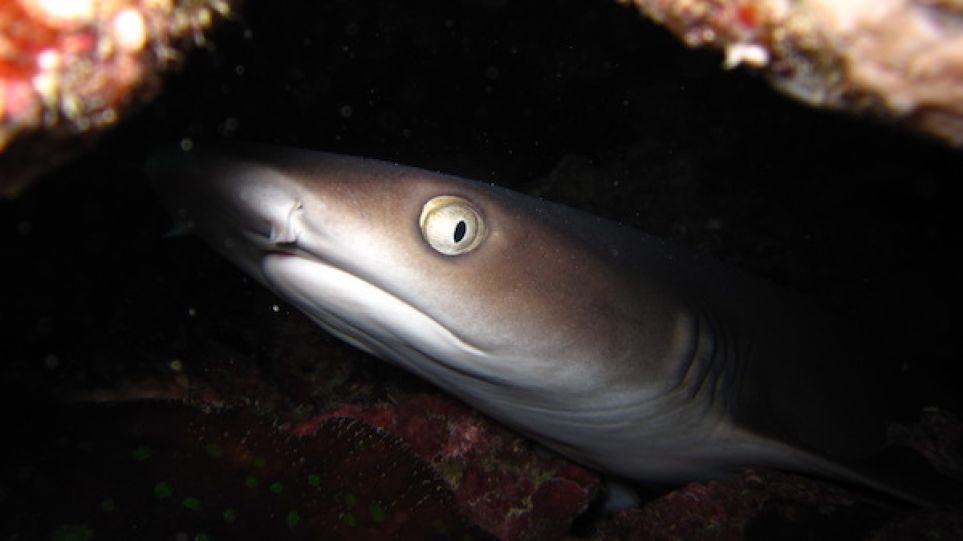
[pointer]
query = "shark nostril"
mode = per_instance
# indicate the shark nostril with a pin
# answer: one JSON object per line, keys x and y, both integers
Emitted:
{"x": 289, "y": 230}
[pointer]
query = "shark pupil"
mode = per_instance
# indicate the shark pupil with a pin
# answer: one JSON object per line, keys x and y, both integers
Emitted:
{"x": 460, "y": 230}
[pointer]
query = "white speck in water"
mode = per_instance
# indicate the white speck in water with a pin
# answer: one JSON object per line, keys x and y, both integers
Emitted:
{"x": 51, "y": 361}
{"x": 345, "y": 111}
{"x": 275, "y": 308}
{"x": 192, "y": 311}
{"x": 187, "y": 144}
{"x": 240, "y": 69}
{"x": 229, "y": 126}
{"x": 176, "y": 365}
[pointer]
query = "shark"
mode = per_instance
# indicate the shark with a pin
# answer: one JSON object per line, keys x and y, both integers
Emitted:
{"x": 622, "y": 351}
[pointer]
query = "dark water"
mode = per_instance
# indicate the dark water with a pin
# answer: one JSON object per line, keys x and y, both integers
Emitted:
{"x": 580, "y": 102}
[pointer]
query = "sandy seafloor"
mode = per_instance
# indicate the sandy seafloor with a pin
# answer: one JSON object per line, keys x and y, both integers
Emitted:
{"x": 580, "y": 102}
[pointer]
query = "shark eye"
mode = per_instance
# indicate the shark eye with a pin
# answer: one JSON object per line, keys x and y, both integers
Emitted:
{"x": 451, "y": 225}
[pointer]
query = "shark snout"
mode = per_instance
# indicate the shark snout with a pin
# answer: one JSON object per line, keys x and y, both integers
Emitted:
{"x": 199, "y": 188}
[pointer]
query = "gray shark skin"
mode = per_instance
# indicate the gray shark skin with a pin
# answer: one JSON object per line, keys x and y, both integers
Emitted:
{"x": 621, "y": 351}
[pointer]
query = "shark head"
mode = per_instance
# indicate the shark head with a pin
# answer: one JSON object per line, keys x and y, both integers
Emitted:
{"x": 475, "y": 288}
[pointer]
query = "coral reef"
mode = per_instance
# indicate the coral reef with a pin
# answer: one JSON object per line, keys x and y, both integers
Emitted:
{"x": 764, "y": 504}
{"x": 74, "y": 68}
{"x": 897, "y": 59}
{"x": 159, "y": 470}
{"x": 937, "y": 436}
{"x": 500, "y": 482}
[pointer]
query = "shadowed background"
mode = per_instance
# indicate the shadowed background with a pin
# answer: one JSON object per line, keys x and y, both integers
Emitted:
{"x": 579, "y": 102}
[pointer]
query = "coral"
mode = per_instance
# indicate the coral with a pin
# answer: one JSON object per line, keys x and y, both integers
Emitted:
{"x": 938, "y": 436}
{"x": 500, "y": 481}
{"x": 69, "y": 69}
{"x": 897, "y": 59}
{"x": 159, "y": 470}
{"x": 764, "y": 504}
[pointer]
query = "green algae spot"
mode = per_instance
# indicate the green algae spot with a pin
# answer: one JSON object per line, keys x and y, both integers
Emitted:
{"x": 202, "y": 537}
{"x": 350, "y": 500}
{"x": 140, "y": 454}
{"x": 72, "y": 532}
{"x": 230, "y": 515}
{"x": 214, "y": 450}
{"x": 250, "y": 481}
{"x": 314, "y": 480}
{"x": 107, "y": 504}
{"x": 293, "y": 519}
{"x": 378, "y": 513}
{"x": 348, "y": 519}
{"x": 259, "y": 462}
{"x": 163, "y": 490}
{"x": 192, "y": 503}
{"x": 276, "y": 487}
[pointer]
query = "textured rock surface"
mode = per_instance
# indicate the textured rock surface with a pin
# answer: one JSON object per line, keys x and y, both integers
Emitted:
{"x": 761, "y": 504}
{"x": 901, "y": 60}
{"x": 69, "y": 70}
{"x": 156, "y": 471}
{"x": 500, "y": 481}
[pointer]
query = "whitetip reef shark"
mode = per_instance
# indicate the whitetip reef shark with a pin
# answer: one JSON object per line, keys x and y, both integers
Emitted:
{"x": 619, "y": 350}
